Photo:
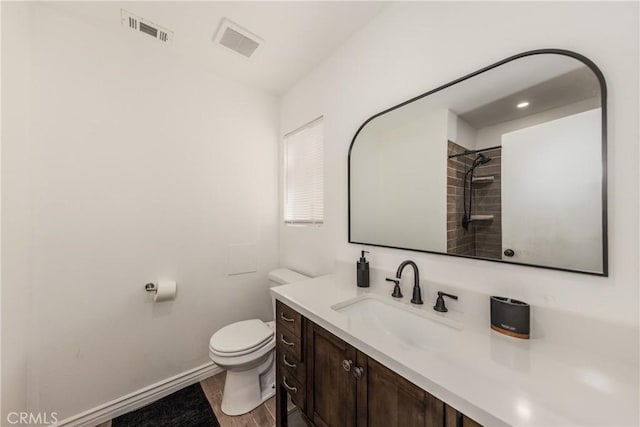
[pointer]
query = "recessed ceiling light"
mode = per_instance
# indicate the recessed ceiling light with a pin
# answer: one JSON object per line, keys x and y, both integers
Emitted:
{"x": 523, "y": 104}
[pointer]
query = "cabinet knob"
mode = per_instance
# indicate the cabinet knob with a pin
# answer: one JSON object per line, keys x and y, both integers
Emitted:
{"x": 509, "y": 252}
{"x": 346, "y": 364}
{"x": 357, "y": 372}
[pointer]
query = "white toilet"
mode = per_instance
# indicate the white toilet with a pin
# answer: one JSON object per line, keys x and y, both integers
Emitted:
{"x": 246, "y": 349}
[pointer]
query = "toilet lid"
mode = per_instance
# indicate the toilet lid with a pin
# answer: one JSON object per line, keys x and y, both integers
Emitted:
{"x": 241, "y": 336}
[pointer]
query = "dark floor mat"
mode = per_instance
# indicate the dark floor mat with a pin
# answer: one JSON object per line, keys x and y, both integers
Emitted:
{"x": 188, "y": 407}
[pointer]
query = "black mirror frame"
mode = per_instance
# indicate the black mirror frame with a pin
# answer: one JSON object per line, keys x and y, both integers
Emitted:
{"x": 603, "y": 95}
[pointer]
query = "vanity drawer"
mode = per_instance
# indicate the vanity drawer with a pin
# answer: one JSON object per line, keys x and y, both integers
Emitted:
{"x": 294, "y": 389}
{"x": 292, "y": 368}
{"x": 288, "y": 318}
{"x": 289, "y": 344}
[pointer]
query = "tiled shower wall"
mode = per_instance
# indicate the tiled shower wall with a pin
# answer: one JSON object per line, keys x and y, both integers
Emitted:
{"x": 484, "y": 238}
{"x": 459, "y": 240}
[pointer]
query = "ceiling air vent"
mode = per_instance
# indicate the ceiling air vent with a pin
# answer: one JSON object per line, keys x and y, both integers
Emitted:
{"x": 136, "y": 23}
{"x": 235, "y": 38}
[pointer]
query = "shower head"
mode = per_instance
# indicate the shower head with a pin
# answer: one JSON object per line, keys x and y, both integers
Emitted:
{"x": 482, "y": 159}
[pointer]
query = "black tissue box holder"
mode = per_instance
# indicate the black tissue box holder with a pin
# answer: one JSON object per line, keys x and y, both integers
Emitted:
{"x": 510, "y": 317}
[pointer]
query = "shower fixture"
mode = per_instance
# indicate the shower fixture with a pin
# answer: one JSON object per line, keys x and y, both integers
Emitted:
{"x": 480, "y": 159}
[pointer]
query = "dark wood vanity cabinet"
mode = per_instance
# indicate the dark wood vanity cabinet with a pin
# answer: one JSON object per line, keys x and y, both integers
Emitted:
{"x": 454, "y": 418}
{"x": 393, "y": 401}
{"x": 331, "y": 385}
{"x": 290, "y": 360}
{"x": 334, "y": 385}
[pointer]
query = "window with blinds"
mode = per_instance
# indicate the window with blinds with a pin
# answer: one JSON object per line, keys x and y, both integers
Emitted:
{"x": 303, "y": 175}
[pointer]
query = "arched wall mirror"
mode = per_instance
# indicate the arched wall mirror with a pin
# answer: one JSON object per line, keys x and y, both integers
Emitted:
{"x": 505, "y": 164}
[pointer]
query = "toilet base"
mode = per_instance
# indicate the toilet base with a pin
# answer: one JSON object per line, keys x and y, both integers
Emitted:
{"x": 246, "y": 390}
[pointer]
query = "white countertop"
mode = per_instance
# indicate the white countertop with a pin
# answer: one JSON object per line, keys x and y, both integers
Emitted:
{"x": 493, "y": 379}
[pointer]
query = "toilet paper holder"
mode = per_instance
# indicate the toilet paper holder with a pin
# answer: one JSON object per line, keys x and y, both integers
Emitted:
{"x": 162, "y": 290}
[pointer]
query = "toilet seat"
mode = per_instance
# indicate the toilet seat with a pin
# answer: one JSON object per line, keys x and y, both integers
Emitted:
{"x": 241, "y": 338}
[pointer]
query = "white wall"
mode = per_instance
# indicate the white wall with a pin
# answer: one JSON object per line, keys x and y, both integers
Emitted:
{"x": 551, "y": 193}
{"x": 461, "y": 132}
{"x": 16, "y": 287}
{"x": 140, "y": 167}
{"x": 491, "y": 136}
{"x": 410, "y": 48}
{"x": 399, "y": 177}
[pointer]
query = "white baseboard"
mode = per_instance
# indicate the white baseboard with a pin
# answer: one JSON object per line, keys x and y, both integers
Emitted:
{"x": 140, "y": 398}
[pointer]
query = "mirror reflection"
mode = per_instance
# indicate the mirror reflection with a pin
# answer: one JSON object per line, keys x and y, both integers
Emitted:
{"x": 504, "y": 165}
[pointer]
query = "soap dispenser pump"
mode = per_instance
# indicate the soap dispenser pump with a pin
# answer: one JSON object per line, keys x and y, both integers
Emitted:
{"x": 362, "y": 267}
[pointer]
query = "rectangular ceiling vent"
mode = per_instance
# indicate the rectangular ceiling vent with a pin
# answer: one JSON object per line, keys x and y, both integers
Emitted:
{"x": 233, "y": 37}
{"x": 136, "y": 23}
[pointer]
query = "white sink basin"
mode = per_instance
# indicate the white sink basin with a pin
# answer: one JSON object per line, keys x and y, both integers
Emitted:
{"x": 410, "y": 328}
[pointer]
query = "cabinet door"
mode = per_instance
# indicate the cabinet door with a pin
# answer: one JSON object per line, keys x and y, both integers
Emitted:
{"x": 392, "y": 401}
{"x": 331, "y": 385}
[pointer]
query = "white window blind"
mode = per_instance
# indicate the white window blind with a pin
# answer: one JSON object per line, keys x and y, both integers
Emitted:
{"x": 304, "y": 180}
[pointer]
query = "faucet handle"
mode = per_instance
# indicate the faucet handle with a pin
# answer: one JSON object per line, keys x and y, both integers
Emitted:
{"x": 440, "y": 306}
{"x": 397, "y": 293}
{"x": 444, "y": 294}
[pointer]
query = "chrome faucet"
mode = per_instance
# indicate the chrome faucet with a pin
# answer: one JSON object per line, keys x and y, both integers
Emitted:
{"x": 397, "y": 293}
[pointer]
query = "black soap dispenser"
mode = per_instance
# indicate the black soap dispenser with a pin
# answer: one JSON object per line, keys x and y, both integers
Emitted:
{"x": 362, "y": 268}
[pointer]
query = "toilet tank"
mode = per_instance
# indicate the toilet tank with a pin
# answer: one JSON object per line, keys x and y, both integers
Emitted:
{"x": 283, "y": 276}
